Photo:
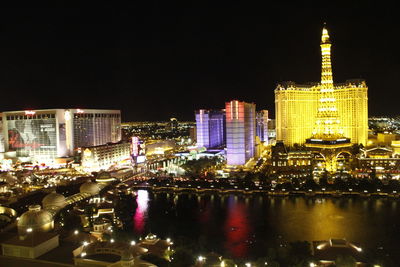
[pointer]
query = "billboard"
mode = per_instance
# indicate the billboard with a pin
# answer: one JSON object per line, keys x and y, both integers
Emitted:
{"x": 32, "y": 134}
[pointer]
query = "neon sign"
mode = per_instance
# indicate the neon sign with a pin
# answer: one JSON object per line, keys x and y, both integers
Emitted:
{"x": 135, "y": 146}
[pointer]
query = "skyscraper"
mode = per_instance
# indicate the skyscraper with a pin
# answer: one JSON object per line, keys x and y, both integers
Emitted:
{"x": 262, "y": 125}
{"x": 210, "y": 128}
{"x": 240, "y": 131}
{"x": 298, "y": 107}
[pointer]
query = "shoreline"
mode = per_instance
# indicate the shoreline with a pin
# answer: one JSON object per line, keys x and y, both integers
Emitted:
{"x": 334, "y": 194}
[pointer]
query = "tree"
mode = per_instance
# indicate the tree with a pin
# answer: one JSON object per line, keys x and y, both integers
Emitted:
{"x": 356, "y": 148}
{"x": 89, "y": 212}
{"x": 339, "y": 184}
{"x": 182, "y": 258}
{"x": 160, "y": 262}
{"x": 299, "y": 253}
{"x": 310, "y": 184}
{"x": 195, "y": 168}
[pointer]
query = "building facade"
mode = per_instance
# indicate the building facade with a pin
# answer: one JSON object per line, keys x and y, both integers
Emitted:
{"x": 210, "y": 128}
{"x": 297, "y": 106}
{"x": 262, "y": 125}
{"x": 104, "y": 156}
{"x": 43, "y": 135}
{"x": 96, "y": 127}
{"x": 240, "y": 131}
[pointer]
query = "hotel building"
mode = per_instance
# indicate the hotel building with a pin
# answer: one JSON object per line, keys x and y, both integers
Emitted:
{"x": 101, "y": 157}
{"x": 240, "y": 131}
{"x": 43, "y": 135}
{"x": 210, "y": 128}
{"x": 297, "y": 105}
{"x": 262, "y": 125}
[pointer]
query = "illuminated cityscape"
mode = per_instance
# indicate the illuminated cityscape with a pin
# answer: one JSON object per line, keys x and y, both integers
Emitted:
{"x": 302, "y": 110}
{"x": 180, "y": 139}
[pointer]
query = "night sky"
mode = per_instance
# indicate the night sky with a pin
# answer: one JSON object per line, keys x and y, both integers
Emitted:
{"x": 155, "y": 59}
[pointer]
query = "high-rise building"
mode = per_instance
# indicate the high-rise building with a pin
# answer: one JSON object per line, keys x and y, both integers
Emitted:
{"x": 240, "y": 131}
{"x": 262, "y": 125}
{"x": 43, "y": 135}
{"x": 93, "y": 127}
{"x": 297, "y": 107}
{"x": 210, "y": 128}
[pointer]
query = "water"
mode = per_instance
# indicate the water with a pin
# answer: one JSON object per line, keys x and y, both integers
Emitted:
{"x": 245, "y": 226}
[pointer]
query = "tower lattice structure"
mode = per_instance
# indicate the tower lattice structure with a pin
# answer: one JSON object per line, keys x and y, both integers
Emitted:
{"x": 327, "y": 130}
{"x": 327, "y": 137}
{"x": 327, "y": 125}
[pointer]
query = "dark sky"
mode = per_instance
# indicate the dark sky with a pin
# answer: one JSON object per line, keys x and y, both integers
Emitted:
{"x": 155, "y": 60}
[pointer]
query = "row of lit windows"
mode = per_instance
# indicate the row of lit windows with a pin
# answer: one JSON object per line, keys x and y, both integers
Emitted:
{"x": 29, "y": 117}
{"x": 96, "y": 115}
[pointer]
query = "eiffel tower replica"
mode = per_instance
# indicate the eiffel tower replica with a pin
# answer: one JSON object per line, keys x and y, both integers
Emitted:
{"x": 327, "y": 137}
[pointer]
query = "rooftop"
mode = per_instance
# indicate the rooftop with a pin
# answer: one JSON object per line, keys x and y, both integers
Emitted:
{"x": 30, "y": 240}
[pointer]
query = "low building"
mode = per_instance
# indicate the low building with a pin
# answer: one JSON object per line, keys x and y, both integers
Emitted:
{"x": 102, "y": 157}
{"x": 34, "y": 236}
{"x": 327, "y": 252}
{"x": 110, "y": 254}
{"x": 30, "y": 245}
{"x": 279, "y": 155}
{"x": 385, "y": 139}
{"x": 381, "y": 159}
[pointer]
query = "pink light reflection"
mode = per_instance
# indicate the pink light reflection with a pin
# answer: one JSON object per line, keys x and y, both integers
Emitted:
{"x": 237, "y": 229}
{"x": 139, "y": 219}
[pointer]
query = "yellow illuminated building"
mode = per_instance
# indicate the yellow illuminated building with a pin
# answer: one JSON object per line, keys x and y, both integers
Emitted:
{"x": 322, "y": 110}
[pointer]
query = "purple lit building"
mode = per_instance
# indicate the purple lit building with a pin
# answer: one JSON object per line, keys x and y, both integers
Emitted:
{"x": 240, "y": 131}
{"x": 262, "y": 125}
{"x": 210, "y": 128}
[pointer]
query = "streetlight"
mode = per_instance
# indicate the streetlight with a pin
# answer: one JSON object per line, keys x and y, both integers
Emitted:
{"x": 201, "y": 258}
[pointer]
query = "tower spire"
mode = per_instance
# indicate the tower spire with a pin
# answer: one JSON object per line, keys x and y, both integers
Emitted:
{"x": 327, "y": 124}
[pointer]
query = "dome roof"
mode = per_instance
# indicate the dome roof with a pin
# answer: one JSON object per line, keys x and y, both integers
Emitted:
{"x": 53, "y": 200}
{"x": 35, "y": 218}
{"x": 103, "y": 175}
{"x": 90, "y": 187}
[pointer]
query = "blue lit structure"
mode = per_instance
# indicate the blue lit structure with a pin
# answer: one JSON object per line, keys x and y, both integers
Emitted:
{"x": 210, "y": 127}
{"x": 240, "y": 131}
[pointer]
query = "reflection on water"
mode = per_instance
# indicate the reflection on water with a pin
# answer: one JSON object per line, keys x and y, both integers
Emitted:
{"x": 139, "y": 219}
{"x": 236, "y": 228}
{"x": 245, "y": 226}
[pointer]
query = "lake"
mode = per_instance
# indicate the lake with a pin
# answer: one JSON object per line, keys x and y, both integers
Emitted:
{"x": 244, "y": 226}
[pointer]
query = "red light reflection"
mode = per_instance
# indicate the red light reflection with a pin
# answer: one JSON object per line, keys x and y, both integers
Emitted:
{"x": 139, "y": 219}
{"x": 237, "y": 229}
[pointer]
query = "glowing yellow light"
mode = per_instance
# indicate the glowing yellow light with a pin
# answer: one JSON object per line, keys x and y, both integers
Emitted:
{"x": 298, "y": 107}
